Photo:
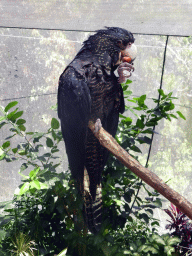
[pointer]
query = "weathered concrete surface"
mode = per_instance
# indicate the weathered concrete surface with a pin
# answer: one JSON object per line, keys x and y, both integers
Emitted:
{"x": 166, "y": 17}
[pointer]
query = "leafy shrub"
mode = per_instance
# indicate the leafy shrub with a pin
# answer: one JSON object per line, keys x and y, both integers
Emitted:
{"x": 47, "y": 205}
{"x": 182, "y": 228}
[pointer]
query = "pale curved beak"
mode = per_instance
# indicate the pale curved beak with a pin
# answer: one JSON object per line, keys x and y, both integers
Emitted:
{"x": 129, "y": 54}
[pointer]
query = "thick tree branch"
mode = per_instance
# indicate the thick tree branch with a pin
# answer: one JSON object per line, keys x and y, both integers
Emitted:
{"x": 145, "y": 174}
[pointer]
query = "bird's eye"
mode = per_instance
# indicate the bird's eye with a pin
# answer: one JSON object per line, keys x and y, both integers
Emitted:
{"x": 119, "y": 42}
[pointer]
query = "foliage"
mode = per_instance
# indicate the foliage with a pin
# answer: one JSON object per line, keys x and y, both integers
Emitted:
{"x": 182, "y": 228}
{"x": 47, "y": 207}
{"x": 22, "y": 245}
{"x": 145, "y": 123}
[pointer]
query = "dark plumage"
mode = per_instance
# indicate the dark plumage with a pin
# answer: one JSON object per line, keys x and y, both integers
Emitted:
{"x": 88, "y": 90}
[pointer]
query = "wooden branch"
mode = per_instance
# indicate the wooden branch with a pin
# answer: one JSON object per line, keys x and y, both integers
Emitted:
{"x": 107, "y": 141}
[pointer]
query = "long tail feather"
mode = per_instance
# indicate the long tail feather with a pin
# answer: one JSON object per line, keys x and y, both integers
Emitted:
{"x": 92, "y": 207}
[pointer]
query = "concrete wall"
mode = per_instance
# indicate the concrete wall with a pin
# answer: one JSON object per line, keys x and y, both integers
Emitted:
{"x": 167, "y": 17}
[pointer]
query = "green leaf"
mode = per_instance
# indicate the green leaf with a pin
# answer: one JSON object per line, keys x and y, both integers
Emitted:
{"x": 157, "y": 202}
{"x": 161, "y": 92}
{"x": 2, "y": 124}
{"x": 23, "y": 167}
{"x": 64, "y": 252}
{"x": 11, "y": 136}
{"x": 22, "y": 127}
{"x": 24, "y": 176}
{"x": 149, "y": 130}
{"x": 118, "y": 202}
{"x": 137, "y": 108}
{"x": 172, "y": 115}
{"x": 2, "y": 118}
{"x": 149, "y": 248}
{"x": 22, "y": 152}
{"x": 2, "y": 153}
{"x": 10, "y": 105}
{"x": 125, "y": 87}
{"x": 6, "y": 144}
{"x": 35, "y": 184}
{"x": 46, "y": 155}
{"x": 43, "y": 185}
{"x": 141, "y": 100}
{"x": 16, "y": 130}
{"x": 122, "y": 116}
{"x": 127, "y": 92}
{"x": 54, "y": 135}
{"x": 9, "y": 116}
{"x": 144, "y": 139}
{"x": 127, "y": 121}
{"x": 14, "y": 150}
{"x": 128, "y": 81}
{"x": 49, "y": 143}
{"x": 169, "y": 250}
{"x": 133, "y": 100}
{"x": 16, "y": 115}
{"x": 54, "y": 123}
{"x": 33, "y": 173}
{"x": 54, "y": 150}
{"x": 181, "y": 115}
{"x": 140, "y": 124}
{"x": 151, "y": 123}
{"x": 24, "y": 188}
{"x": 20, "y": 121}
{"x": 169, "y": 94}
{"x": 145, "y": 217}
{"x": 155, "y": 223}
{"x": 37, "y": 136}
{"x": 2, "y": 234}
{"x": 127, "y": 197}
{"x": 136, "y": 149}
{"x": 158, "y": 239}
{"x": 169, "y": 106}
{"x": 173, "y": 240}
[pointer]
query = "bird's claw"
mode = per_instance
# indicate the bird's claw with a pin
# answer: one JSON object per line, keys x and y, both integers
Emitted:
{"x": 125, "y": 70}
{"x": 98, "y": 125}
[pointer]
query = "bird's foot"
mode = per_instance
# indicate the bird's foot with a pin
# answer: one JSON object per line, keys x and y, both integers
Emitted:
{"x": 124, "y": 70}
{"x": 98, "y": 125}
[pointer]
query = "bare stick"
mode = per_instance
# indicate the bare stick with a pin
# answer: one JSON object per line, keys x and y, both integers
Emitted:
{"x": 107, "y": 141}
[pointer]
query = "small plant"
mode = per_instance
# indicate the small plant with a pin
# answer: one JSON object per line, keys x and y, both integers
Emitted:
{"x": 22, "y": 245}
{"x": 181, "y": 227}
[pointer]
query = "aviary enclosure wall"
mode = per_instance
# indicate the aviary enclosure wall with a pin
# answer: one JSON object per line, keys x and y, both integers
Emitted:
{"x": 39, "y": 38}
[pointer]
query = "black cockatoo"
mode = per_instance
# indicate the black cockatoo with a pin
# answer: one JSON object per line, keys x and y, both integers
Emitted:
{"x": 89, "y": 90}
